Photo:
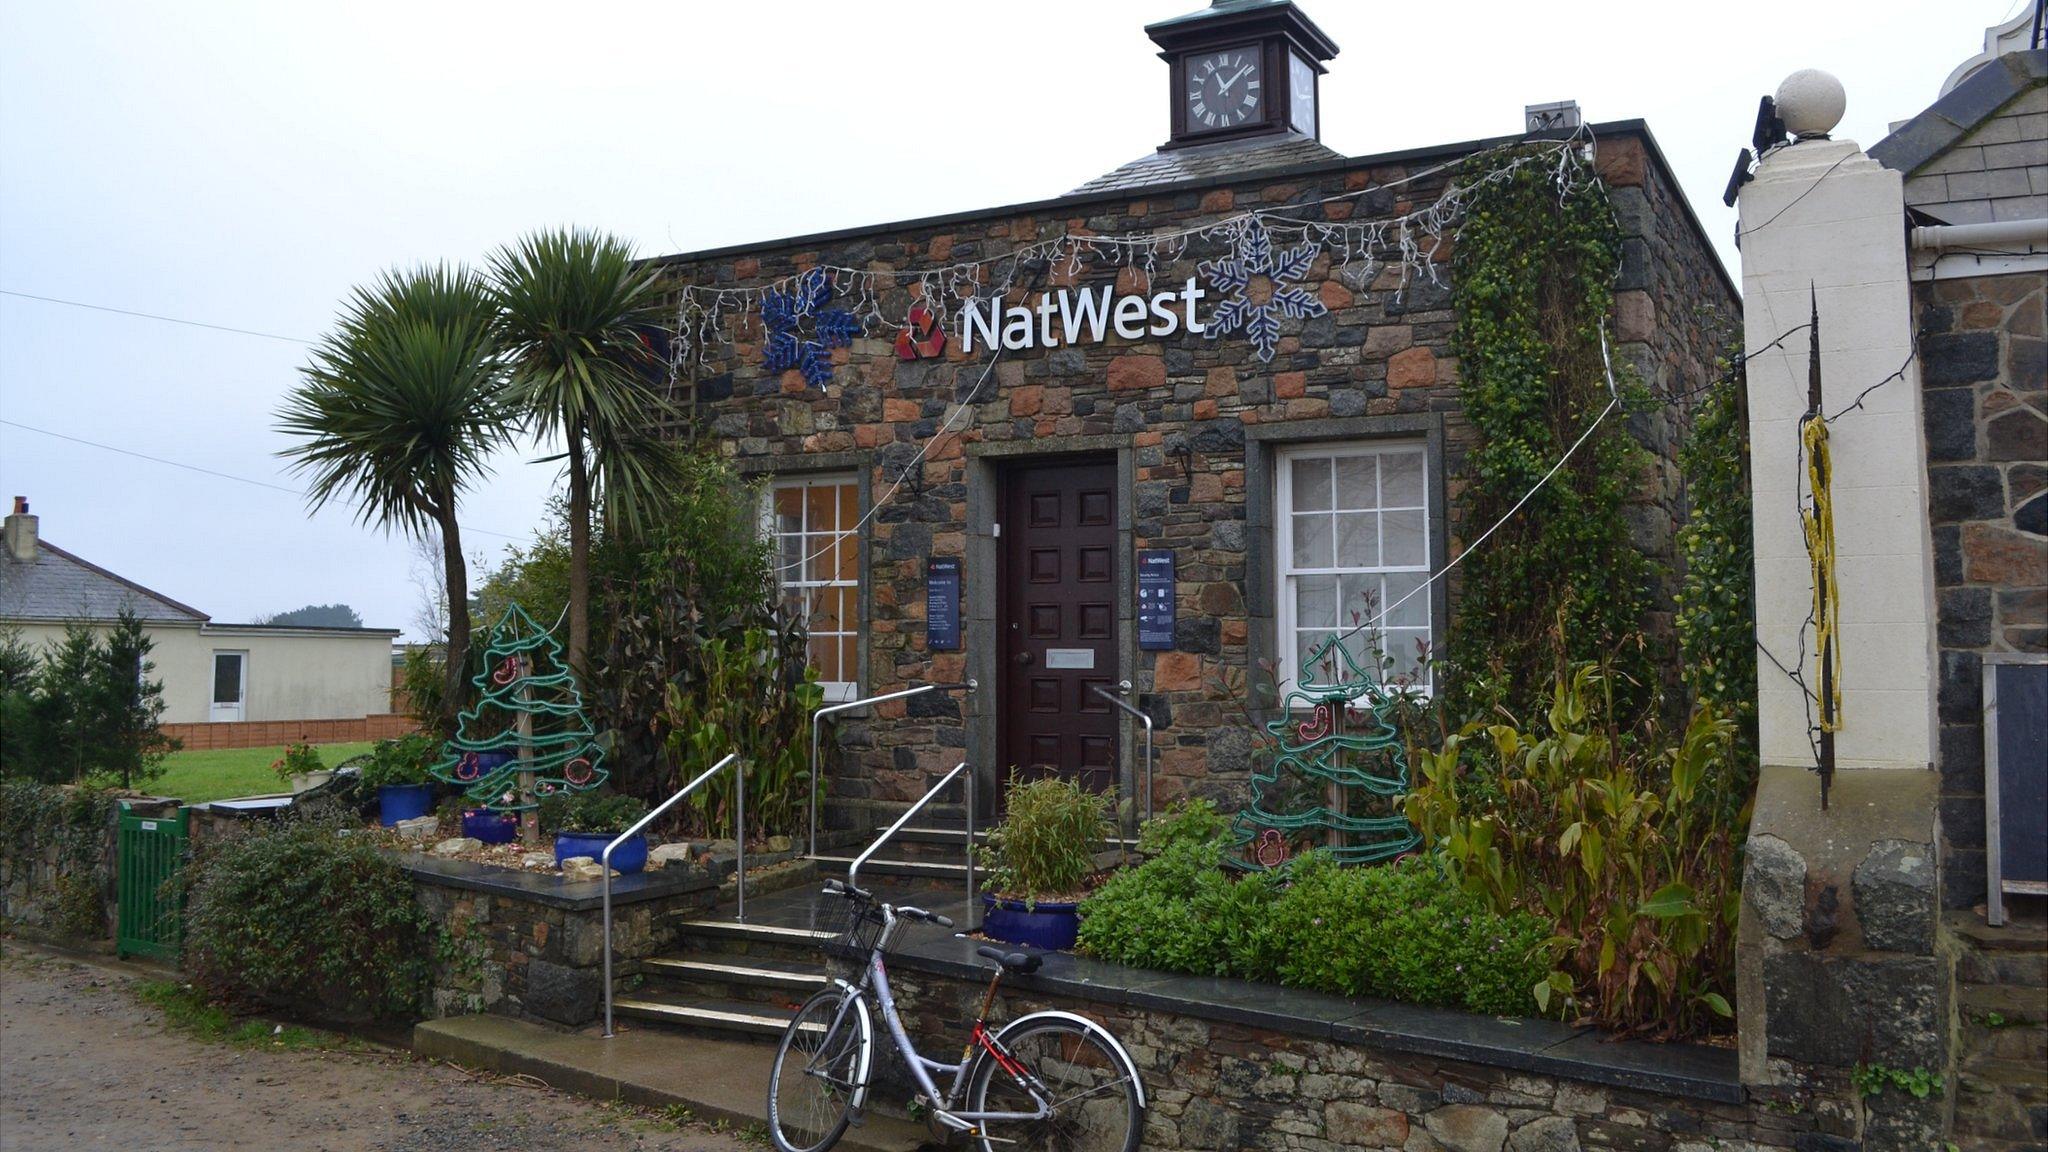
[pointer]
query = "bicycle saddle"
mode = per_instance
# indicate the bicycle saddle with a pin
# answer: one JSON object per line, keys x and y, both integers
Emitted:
{"x": 1020, "y": 963}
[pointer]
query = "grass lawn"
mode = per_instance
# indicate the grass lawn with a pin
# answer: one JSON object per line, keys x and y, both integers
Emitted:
{"x": 201, "y": 775}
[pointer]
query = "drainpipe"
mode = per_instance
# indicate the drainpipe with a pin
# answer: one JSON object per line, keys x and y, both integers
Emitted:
{"x": 1979, "y": 237}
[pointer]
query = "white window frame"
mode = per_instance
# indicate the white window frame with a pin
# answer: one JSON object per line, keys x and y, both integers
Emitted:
{"x": 836, "y": 691}
{"x": 240, "y": 704}
{"x": 1283, "y": 553}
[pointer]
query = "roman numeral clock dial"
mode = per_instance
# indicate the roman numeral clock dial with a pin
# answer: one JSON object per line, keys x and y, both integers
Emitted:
{"x": 1223, "y": 89}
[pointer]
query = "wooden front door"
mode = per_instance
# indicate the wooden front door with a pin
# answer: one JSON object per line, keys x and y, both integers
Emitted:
{"x": 1057, "y": 621}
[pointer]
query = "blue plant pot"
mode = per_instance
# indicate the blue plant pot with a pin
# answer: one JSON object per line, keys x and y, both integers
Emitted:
{"x": 1050, "y": 924}
{"x": 628, "y": 857}
{"x": 490, "y": 827}
{"x": 397, "y": 802}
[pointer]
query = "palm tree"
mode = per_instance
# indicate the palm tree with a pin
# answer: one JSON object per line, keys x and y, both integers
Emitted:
{"x": 574, "y": 311}
{"x": 398, "y": 412}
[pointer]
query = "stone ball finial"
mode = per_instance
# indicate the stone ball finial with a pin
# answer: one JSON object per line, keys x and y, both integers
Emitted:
{"x": 1811, "y": 103}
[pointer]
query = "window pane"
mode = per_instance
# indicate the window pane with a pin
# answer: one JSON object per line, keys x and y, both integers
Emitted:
{"x": 1359, "y": 598}
{"x": 1402, "y": 650}
{"x": 849, "y": 659}
{"x": 825, "y": 657}
{"x": 789, "y": 558}
{"x": 1358, "y": 540}
{"x": 1312, "y": 484}
{"x": 822, "y": 508}
{"x": 822, "y": 558}
{"x": 849, "y": 505}
{"x": 1403, "y": 539}
{"x": 1355, "y": 488}
{"x": 1414, "y": 612}
{"x": 849, "y": 556}
{"x": 1312, "y": 541}
{"x": 1401, "y": 480}
{"x": 789, "y": 509}
{"x": 825, "y": 610}
{"x": 1305, "y": 666}
{"x": 1315, "y": 601}
{"x": 227, "y": 678}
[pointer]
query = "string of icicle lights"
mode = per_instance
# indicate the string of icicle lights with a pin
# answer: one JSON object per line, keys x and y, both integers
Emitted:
{"x": 707, "y": 316}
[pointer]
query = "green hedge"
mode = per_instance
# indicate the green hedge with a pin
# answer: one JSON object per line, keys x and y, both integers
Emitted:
{"x": 1398, "y": 932}
{"x": 308, "y": 916}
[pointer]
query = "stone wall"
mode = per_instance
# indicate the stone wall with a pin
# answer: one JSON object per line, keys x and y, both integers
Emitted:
{"x": 1985, "y": 373}
{"x": 1217, "y": 1084}
{"x": 57, "y": 878}
{"x": 1378, "y": 364}
{"x": 533, "y": 946}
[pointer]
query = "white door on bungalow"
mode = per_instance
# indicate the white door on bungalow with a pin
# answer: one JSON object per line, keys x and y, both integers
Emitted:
{"x": 230, "y": 685}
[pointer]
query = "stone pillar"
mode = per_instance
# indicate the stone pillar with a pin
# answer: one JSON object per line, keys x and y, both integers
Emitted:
{"x": 1837, "y": 963}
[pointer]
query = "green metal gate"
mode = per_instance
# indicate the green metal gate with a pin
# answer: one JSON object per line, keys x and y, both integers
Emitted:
{"x": 148, "y": 853}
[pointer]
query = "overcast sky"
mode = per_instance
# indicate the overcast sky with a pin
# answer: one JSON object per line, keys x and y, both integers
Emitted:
{"x": 244, "y": 164}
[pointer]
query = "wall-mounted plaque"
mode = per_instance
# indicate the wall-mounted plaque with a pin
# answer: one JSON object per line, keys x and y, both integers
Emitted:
{"x": 1155, "y": 600}
{"x": 942, "y": 604}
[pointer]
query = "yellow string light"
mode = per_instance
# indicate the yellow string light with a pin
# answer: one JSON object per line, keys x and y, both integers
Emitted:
{"x": 1819, "y": 522}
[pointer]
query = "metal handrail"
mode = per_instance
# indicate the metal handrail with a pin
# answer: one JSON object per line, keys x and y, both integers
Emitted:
{"x": 739, "y": 872}
{"x": 1145, "y": 718}
{"x": 853, "y": 870}
{"x": 817, "y": 731}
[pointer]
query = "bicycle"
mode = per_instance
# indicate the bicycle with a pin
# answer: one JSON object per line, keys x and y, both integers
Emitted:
{"x": 1046, "y": 1080}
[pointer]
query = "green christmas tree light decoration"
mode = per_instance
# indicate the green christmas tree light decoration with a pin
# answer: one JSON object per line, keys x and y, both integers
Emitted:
{"x": 539, "y": 742}
{"x": 1349, "y": 771}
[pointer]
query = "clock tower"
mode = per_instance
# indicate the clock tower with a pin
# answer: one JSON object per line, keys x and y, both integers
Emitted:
{"x": 1242, "y": 68}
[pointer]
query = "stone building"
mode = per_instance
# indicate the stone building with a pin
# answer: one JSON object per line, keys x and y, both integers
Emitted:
{"x": 1275, "y": 479}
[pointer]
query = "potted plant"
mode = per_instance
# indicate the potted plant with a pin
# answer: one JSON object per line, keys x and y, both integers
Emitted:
{"x": 300, "y": 767}
{"x": 1039, "y": 861}
{"x": 488, "y": 824}
{"x": 584, "y": 822}
{"x": 397, "y": 769}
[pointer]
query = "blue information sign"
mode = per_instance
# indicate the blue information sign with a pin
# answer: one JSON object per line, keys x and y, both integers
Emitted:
{"x": 1155, "y": 599}
{"x": 942, "y": 604}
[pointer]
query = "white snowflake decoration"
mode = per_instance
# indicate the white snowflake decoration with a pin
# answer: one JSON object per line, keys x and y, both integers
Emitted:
{"x": 1256, "y": 256}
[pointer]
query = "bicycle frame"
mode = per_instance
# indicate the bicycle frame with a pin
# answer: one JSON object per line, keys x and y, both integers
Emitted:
{"x": 875, "y": 981}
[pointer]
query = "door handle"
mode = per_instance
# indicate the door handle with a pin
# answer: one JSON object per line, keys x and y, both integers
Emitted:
{"x": 1023, "y": 657}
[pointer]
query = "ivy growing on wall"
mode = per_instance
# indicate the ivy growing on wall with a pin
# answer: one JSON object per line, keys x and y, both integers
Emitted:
{"x": 56, "y": 840}
{"x": 1716, "y": 618}
{"x": 1560, "y": 581}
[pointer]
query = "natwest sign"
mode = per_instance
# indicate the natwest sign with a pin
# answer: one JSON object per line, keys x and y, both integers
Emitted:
{"x": 1074, "y": 317}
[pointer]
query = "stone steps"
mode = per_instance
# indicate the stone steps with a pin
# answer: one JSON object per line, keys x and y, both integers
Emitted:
{"x": 726, "y": 1017}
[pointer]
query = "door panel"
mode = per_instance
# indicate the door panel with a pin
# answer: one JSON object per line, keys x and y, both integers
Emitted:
{"x": 230, "y": 686}
{"x": 1057, "y": 613}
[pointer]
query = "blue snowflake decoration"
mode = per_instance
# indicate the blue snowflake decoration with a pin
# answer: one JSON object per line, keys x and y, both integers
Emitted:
{"x": 802, "y": 331}
{"x": 1232, "y": 276}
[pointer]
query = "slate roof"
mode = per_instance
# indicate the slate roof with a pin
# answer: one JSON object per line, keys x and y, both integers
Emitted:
{"x": 1223, "y": 159}
{"x": 59, "y": 586}
{"x": 1961, "y": 110}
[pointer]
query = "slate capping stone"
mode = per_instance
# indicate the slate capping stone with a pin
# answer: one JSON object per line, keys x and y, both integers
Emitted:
{"x": 1545, "y": 1047}
{"x": 552, "y": 891}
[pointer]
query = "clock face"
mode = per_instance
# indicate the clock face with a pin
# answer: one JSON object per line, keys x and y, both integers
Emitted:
{"x": 1223, "y": 89}
{"x": 1301, "y": 84}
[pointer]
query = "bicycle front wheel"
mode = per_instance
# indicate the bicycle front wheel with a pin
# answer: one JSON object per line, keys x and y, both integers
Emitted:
{"x": 1088, "y": 1080}
{"x": 820, "y": 1071}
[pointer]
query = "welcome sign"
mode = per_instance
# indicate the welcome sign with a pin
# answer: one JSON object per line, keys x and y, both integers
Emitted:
{"x": 1074, "y": 317}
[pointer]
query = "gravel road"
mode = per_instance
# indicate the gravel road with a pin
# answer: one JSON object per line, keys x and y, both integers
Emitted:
{"x": 85, "y": 1065}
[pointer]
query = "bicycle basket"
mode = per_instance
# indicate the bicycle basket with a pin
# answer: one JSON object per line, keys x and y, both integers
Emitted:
{"x": 863, "y": 929}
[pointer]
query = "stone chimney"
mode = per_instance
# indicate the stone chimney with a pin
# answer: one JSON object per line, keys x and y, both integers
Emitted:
{"x": 20, "y": 532}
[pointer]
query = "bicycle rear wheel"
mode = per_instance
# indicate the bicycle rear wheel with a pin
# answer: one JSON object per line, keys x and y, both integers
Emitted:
{"x": 1091, "y": 1085}
{"x": 818, "y": 1073}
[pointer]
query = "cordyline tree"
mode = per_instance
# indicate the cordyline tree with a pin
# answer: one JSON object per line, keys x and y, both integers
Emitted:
{"x": 398, "y": 412}
{"x": 574, "y": 311}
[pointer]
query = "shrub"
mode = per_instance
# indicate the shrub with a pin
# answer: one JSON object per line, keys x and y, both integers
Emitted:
{"x": 1187, "y": 822}
{"x": 1181, "y": 912}
{"x": 1400, "y": 931}
{"x": 1403, "y": 931}
{"x": 72, "y": 824}
{"x": 404, "y": 760}
{"x": 305, "y": 915}
{"x": 1044, "y": 848}
{"x": 589, "y": 813}
{"x": 1622, "y": 844}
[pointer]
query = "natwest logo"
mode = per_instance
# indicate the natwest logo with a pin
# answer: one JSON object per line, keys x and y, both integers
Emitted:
{"x": 1074, "y": 317}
